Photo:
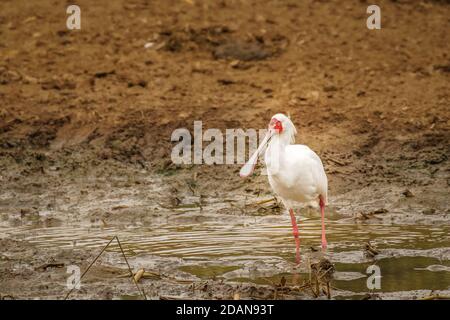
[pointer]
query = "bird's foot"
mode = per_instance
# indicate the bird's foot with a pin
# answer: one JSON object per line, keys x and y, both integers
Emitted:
{"x": 324, "y": 244}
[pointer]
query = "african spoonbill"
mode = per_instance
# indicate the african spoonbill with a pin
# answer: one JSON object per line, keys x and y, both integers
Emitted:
{"x": 295, "y": 172}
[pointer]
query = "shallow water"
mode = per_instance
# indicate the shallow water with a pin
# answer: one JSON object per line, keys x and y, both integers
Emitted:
{"x": 261, "y": 249}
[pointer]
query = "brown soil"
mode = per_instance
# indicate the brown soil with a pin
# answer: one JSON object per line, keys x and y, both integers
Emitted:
{"x": 87, "y": 115}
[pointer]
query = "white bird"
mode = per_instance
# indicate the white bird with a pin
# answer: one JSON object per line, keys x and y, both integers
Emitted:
{"x": 295, "y": 172}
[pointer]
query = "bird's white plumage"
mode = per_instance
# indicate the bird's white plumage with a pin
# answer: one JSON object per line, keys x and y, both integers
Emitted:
{"x": 300, "y": 178}
{"x": 295, "y": 172}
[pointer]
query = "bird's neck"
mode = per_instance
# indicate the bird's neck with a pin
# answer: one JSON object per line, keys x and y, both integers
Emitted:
{"x": 274, "y": 156}
{"x": 279, "y": 142}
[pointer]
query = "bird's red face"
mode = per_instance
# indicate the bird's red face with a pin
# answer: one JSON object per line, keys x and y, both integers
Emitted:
{"x": 276, "y": 125}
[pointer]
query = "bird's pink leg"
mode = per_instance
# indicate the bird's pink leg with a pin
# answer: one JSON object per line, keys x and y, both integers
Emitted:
{"x": 295, "y": 232}
{"x": 322, "y": 211}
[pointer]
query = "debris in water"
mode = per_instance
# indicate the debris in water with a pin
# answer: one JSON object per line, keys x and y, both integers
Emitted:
{"x": 366, "y": 216}
{"x": 266, "y": 206}
{"x": 370, "y": 250}
{"x": 46, "y": 266}
{"x": 139, "y": 275}
{"x": 96, "y": 258}
{"x": 321, "y": 275}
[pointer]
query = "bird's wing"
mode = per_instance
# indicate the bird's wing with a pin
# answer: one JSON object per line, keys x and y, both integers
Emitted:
{"x": 307, "y": 157}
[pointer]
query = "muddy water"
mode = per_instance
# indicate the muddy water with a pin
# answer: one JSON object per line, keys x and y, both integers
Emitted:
{"x": 261, "y": 249}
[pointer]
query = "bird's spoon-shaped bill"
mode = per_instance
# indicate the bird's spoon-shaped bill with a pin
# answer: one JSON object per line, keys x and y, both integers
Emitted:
{"x": 248, "y": 168}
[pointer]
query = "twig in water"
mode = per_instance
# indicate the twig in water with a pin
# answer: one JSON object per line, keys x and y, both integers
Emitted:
{"x": 96, "y": 258}
{"x": 129, "y": 268}
{"x": 262, "y": 202}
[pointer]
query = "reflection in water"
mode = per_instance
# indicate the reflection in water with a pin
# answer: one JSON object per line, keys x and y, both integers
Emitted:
{"x": 225, "y": 247}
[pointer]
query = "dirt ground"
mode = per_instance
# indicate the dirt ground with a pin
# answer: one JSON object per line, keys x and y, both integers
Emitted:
{"x": 86, "y": 115}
